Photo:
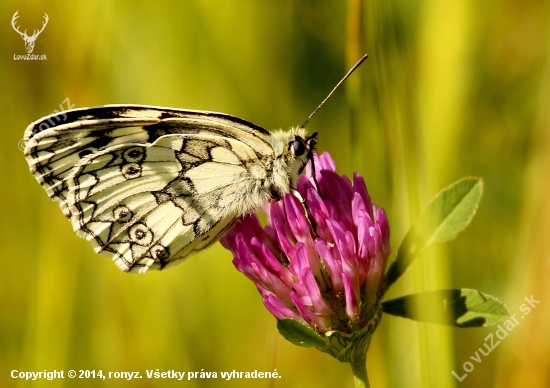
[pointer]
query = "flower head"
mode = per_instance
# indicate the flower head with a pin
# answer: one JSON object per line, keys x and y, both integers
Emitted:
{"x": 321, "y": 259}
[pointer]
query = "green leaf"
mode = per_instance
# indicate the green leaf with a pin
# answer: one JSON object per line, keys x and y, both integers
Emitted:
{"x": 442, "y": 220}
{"x": 456, "y": 307}
{"x": 299, "y": 334}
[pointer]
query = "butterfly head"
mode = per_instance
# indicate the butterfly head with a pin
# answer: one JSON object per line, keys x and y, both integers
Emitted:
{"x": 303, "y": 149}
{"x": 293, "y": 149}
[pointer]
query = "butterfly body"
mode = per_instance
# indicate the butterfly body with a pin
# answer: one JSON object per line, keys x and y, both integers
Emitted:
{"x": 148, "y": 186}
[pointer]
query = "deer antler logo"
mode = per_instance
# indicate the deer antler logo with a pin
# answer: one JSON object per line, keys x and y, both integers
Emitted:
{"x": 29, "y": 40}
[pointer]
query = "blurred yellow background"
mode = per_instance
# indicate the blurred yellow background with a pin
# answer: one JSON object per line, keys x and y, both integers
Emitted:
{"x": 451, "y": 89}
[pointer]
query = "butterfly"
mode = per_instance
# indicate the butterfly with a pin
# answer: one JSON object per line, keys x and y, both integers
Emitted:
{"x": 148, "y": 186}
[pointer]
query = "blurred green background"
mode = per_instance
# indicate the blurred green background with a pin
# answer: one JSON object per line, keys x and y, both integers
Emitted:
{"x": 451, "y": 89}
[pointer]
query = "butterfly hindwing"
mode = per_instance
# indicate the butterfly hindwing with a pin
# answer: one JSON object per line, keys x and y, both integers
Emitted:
{"x": 151, "y": 205}
{"x": 53, "y": 156}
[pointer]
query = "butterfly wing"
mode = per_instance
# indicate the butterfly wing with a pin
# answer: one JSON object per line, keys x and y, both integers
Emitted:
{"x": 55, "y": 144}
{"x": 148, "y": 186}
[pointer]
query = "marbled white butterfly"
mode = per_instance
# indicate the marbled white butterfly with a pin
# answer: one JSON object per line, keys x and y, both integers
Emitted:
{"x": 148, "y": 186}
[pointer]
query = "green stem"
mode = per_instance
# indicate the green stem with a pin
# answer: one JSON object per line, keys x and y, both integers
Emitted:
{"x": 360, "y": 376}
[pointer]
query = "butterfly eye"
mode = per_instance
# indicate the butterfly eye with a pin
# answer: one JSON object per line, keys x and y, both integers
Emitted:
{"x": 298, "y": 146}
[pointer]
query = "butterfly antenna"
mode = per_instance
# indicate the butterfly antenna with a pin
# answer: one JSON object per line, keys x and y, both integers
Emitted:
{"x": 359, "y": 62}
